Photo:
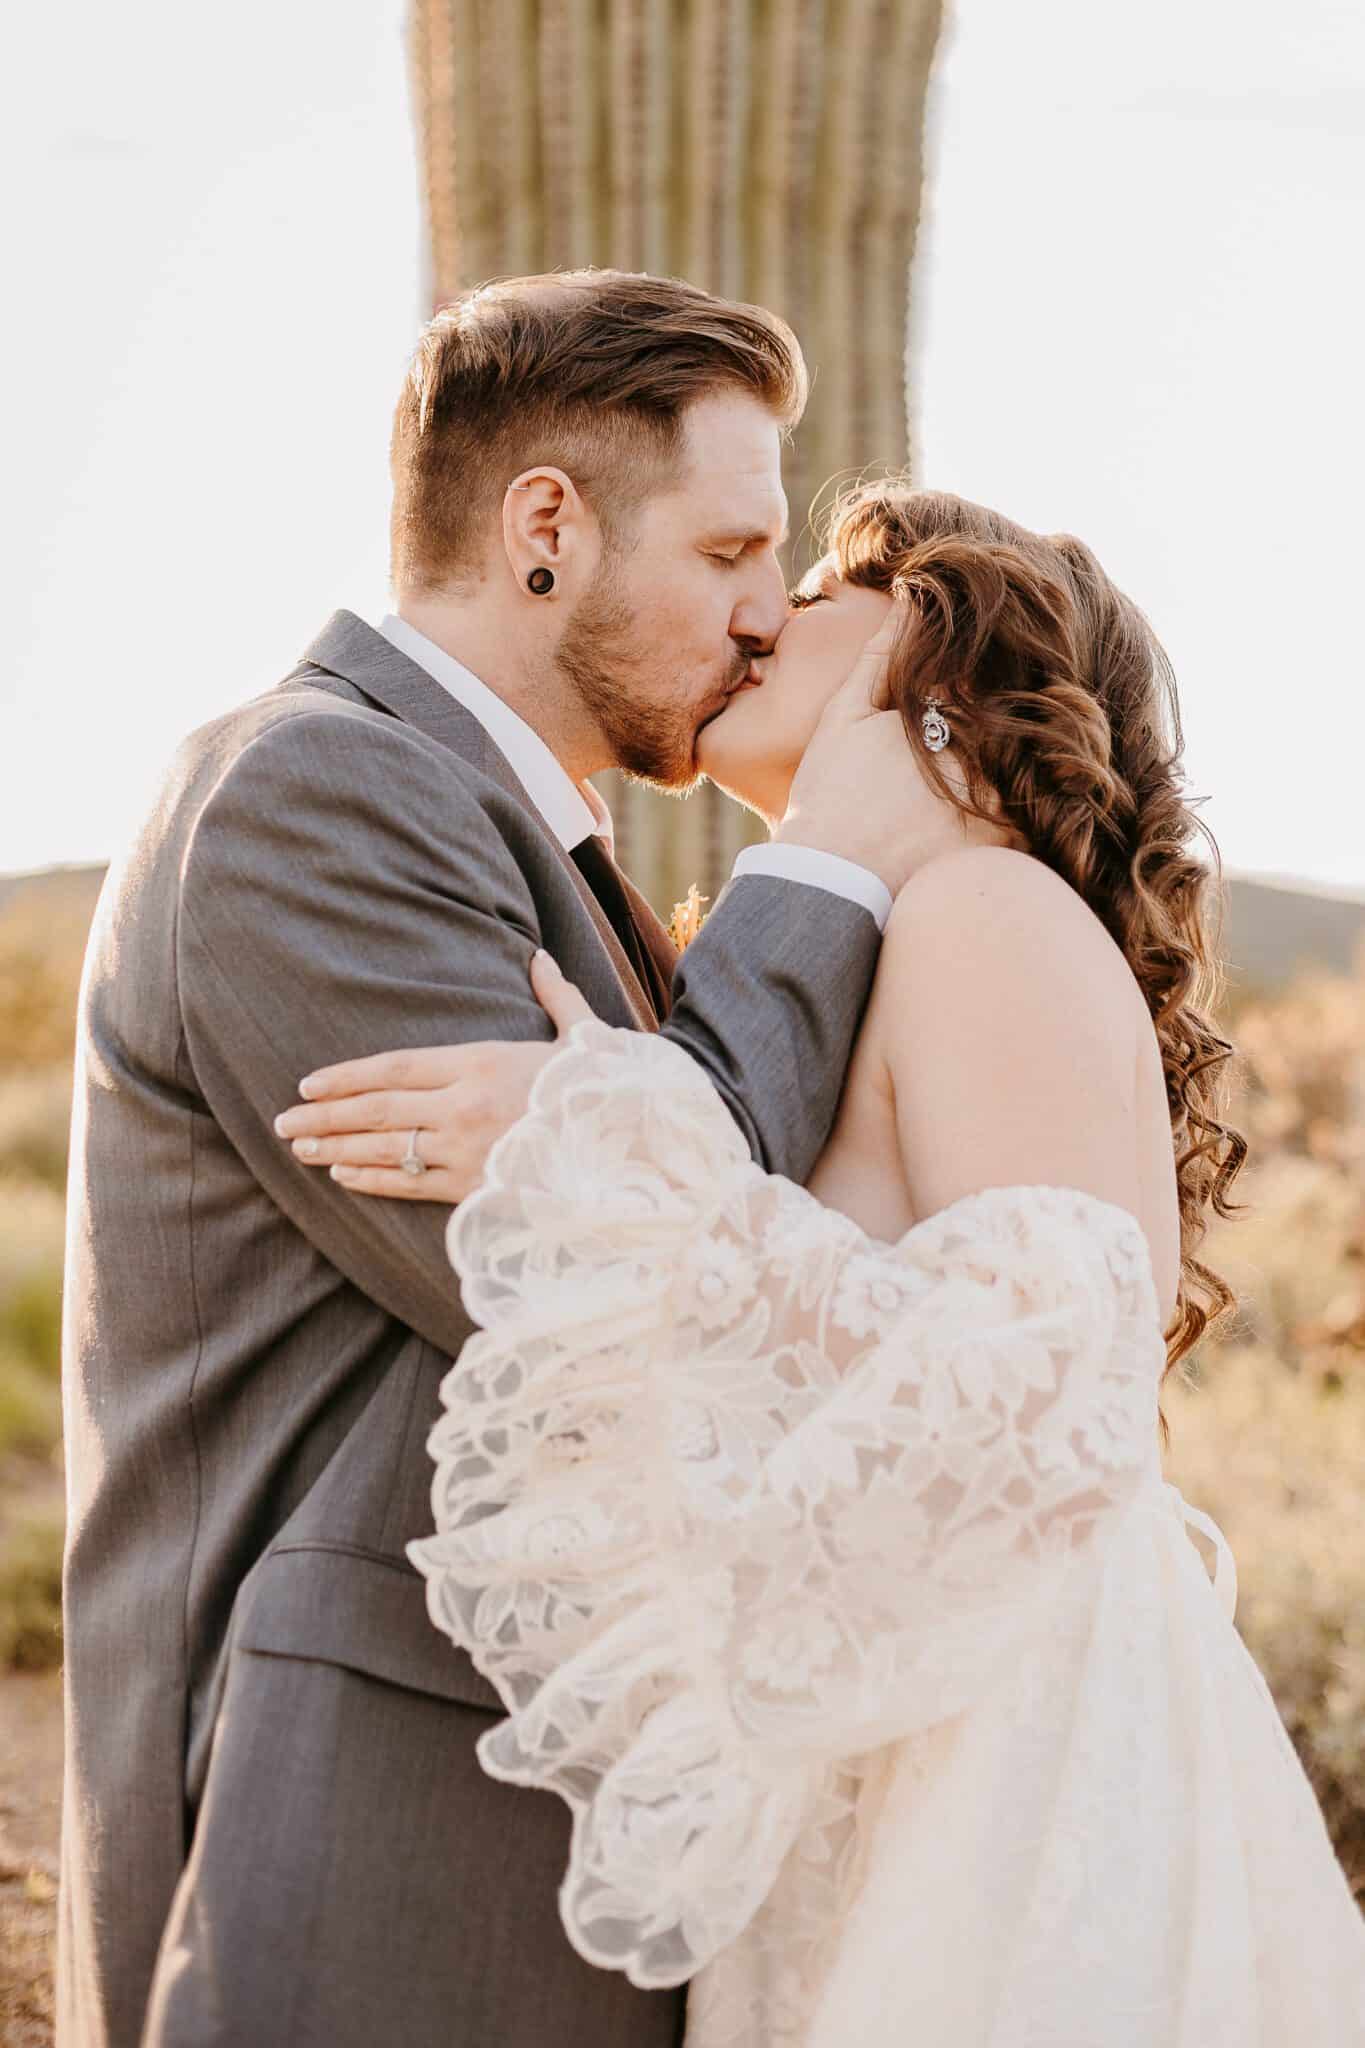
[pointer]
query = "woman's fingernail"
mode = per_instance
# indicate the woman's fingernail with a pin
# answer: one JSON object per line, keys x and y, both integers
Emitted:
{"x": 280, "y": 1131}
{"x": 306, "y": 1087}
{"x": 305, "y": 1148}
{"x": 342, "y": 1172}
{"x": 546, "y": 960}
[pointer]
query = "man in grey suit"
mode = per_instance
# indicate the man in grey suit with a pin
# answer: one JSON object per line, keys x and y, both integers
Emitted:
{"x": 276, "y": 1829}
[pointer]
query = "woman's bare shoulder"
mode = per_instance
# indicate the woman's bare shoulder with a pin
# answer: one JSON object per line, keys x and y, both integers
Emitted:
{"x": 987, "y": 874}
{"x": 1003, "y": 917}
{"x": 1010, "y": 1032}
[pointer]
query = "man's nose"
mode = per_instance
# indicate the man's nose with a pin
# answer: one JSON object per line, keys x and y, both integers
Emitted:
{"x": 762, "y": 613}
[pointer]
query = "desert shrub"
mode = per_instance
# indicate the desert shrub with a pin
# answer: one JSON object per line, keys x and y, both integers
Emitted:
{"x": 31, "y": 1228}
{"x": 37, "y": 1003}
{"x": 44, "y": 921}
{"x": 1268, "y": 1424}
{"x": 1303, "y": 1069}
{"x": 1275, "y": 1457}
{"x": 35, "y": 1123}
{"x": 31, "y": 1322}
{"x": 1299, "y": 1253}
{"x": 31, "y": 1234}
{"x": 43, "y": 925}
{"x": 31, "y": 1592}
{"x": 30, "y": 1410}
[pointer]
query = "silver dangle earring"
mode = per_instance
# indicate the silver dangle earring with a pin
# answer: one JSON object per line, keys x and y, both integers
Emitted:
{"x": 937, "y": 731}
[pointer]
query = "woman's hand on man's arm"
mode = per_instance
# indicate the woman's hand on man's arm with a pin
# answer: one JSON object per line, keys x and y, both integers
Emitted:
{"x": 445, "y": 1105}
{"x": 360, "y": 1116}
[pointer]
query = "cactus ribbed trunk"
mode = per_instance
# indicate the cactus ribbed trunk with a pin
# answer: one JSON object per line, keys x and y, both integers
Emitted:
{"x": 771, "y": 150}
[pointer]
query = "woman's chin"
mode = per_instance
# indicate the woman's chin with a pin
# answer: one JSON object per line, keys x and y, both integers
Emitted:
{"x": 743, "y": 779}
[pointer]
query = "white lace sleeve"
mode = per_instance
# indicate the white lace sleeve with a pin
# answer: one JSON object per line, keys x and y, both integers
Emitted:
{"x": 729, "y": 1493}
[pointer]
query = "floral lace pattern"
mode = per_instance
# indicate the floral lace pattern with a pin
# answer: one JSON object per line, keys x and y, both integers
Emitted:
{"x": 734, "y": 1504}
{"x": 728, "y": 1492}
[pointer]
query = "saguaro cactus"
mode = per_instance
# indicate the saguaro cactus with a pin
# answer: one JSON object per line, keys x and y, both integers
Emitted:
{"x": 768, "y": 149}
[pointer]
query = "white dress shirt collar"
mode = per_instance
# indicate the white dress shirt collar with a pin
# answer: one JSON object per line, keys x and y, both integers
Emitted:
{"x": 572, "y": 810}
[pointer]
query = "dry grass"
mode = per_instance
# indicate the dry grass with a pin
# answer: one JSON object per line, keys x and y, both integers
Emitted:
{"x": 31, "y": 1590}
{"x": 30, "y": 1425}
{"x": 41, "y": 939}
{"x": 1276, "y": 1457}
{"x": 31, "y": 1226}
{"x": 30, "y": 1812}
{"x": 42, "y": 934}
{"x": 1270, "y": 1438}
{"x": 35, "y": 1118}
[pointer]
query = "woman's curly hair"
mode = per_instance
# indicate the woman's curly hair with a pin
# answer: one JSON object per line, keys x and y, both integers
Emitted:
{"x": 1066, "y": 726}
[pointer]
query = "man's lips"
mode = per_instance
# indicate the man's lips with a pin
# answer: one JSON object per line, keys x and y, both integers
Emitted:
{"x": 750, "y": 680}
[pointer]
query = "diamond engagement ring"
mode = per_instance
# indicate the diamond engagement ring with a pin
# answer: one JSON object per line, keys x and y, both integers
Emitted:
{"x": 412, "y": 1161}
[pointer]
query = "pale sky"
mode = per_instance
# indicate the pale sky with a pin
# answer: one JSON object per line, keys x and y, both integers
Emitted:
{"x": 1140, "y": 313}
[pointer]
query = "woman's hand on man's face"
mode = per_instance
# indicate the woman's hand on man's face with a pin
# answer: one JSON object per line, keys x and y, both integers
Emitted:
{"x": 849, "y": 794}
{"x": 362, "y": 1117}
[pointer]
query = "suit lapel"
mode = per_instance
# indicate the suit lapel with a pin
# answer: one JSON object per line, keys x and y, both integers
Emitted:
{"x": 349, "y": 648}
{"x": 620, "y": 960}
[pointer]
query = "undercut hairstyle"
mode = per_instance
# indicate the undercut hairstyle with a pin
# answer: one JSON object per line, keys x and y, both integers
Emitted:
{"x": 591, "y": 371}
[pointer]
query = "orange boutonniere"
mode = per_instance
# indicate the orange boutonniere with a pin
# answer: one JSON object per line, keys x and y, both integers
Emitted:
{"x": 687, "y": 919}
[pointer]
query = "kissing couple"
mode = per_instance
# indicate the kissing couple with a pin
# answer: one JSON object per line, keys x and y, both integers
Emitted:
{"x": 719, "y": 1391}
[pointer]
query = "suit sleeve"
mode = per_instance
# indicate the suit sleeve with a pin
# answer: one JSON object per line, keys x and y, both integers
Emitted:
{"x": 342, "y": 895}
{"x": 767, "y": 1001}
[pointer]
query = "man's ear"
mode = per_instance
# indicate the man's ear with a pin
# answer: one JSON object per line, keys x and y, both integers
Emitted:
{"x": 547, "y": 527}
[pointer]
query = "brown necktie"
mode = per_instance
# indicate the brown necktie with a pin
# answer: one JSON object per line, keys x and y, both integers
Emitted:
{"x": 599, "y": 871}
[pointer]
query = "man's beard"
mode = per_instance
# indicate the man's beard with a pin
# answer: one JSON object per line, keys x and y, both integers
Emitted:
{"x": 600, "y": 656}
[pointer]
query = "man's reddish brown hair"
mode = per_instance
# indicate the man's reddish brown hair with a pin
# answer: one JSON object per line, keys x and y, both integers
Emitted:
{"x": 592, "y": 371}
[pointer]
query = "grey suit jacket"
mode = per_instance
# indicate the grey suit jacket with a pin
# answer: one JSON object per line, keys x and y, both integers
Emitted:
{"x": 252, "y": 1355}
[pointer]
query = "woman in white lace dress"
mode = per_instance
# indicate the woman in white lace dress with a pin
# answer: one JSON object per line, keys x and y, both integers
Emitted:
{"x": 816, "y": 1539}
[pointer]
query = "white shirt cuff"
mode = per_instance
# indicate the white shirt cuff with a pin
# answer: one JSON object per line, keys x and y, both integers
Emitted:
{"x": 819, "y": 871}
